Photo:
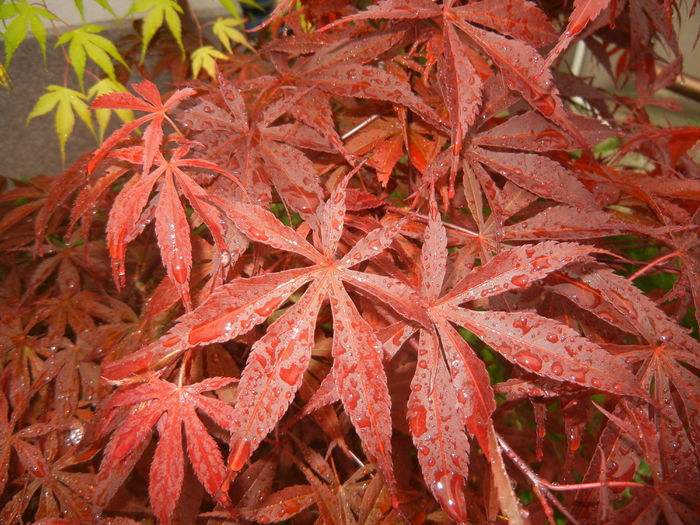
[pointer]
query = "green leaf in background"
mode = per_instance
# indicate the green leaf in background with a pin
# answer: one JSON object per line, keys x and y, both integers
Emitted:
{"x": 157, "y": 10}
{"x": 103, "y": 87}
{"x": 23, "y": 15}
{"x": 4, "y": 78}
{"x": 66, "y": 101}
{"x": 205, "y": 58}
{"x": 84, "y": 42}
{"x": 234, "y": 7}
{"x": 79, "y": 4}
{"x": 224, "y": 29}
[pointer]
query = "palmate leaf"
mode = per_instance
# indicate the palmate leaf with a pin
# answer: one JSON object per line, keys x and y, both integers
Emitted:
{"x": 67, "y": 102}
{"x": 516, "y": 58}
{"x": 279, "y": 359}
{"x": 457, "y": 385}
{"x": 24, "y": 15}
{"x": 84, "y": 43}
{"x": 259, "y": 153}
{"x": 172, "y": 228}
{"x": 225, "y": 30}
{"x": 157, "y": 10}
{"x": 171, "y": 407}
{"x": 205, "y": 58}
{"x": 156, "y": 110}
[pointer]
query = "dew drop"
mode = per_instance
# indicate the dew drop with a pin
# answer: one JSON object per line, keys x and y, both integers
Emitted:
{"x": 240, "y": 452}
{"x": 557, "y": 369}
{"x": 529, "y": 360}
{"x": 552, "y": 338}
{"x": 448, "y": 489}
{"x": 520, "y": 280}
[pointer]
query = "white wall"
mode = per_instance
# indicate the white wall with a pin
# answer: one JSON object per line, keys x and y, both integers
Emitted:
{"x": 95, "y": 14}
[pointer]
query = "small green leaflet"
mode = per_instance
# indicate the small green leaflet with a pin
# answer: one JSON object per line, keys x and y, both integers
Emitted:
{"x": 157, "y": 10}
{"x": 225, "y": 30}
{"x": 68, "y": 101}
{"x": 205, "y": 58}
{"x": 234, "y": 7}
{"x": 79, "y": 4}
{"x": 23, "y": 14}
{"x": 84, "y": 42}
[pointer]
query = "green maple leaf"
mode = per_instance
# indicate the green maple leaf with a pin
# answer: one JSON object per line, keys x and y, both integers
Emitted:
{"x": 102, "y": 3}
{"x": 157, "y": 11}
{"x": 205, "y": 58}
{"x": 84, "y": 42}
{"x": 225, "y": 30}
{"x": 67, "y": 102}
{"x": 24, "y": 16}
{"x": 234, "y": 7}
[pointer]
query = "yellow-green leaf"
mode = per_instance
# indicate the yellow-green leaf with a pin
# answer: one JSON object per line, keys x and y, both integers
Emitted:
{"x": 23, "y": 14}
{"x": 67, "y": 102}
{"x": 102, "y": 115}
{"x": 234, "y": 6}
{"x": 84, "y": 42}
{"x": 4, "y": 78}
{"x": 157, "y": 11}
{"x": 102, "y": 3}
{"x": 224, "y": 29}
{"x": 205, "y": 58}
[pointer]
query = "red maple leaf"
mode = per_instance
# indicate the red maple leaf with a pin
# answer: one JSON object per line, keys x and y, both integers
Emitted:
{"x": 157, "y": 114}
{"x": 169, "y": 407}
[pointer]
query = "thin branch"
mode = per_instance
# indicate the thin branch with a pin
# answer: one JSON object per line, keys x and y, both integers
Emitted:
{"x": 543, "y": 487}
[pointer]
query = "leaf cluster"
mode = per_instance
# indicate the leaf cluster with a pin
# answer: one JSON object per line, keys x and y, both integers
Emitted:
{"x": 378, "y": 271}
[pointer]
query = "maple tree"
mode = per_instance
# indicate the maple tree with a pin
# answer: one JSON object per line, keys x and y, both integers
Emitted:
{"x": 378, "y": 270}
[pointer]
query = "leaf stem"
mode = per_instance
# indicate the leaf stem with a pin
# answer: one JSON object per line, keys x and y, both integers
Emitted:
{"x": 543, "y": 487}
{"x": 651, "y": 264}
{"x": 361, "y": 125}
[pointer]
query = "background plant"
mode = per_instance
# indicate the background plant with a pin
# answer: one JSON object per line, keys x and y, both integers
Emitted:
{"x": 394, "y": 223}
{"x": 167, "y": 27}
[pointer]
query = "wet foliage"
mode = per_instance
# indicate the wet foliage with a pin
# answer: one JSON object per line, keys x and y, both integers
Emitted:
{"x": 389, "y": 267}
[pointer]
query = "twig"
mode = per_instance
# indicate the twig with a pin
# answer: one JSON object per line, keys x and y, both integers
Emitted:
{"x": 543, "y": 487}
{"x": 651, "y": 264}
{"x": 361, "y": 125}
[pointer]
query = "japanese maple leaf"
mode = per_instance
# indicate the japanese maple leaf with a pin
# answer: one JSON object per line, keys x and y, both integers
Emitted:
{"x": 157, "y": 114}
{"x": 260, "y": 152}
{"x": 278, "y": 360}
{"x": 451, "y": 386}
{"x": 75, "y": 309}
{"x": 662, "y": 371}
{"x": 461, "y": 69}
{"x": 66, "y": 263}
{"x": 126, "y": 219}
{"x": 19, "y": 439}
{"x": 342, "y": 68}
{"x": 62, "y": 490}
{"x": 381, "y": 142}
{"x": 515, "y": 153}
{"x": 169, "y": 407}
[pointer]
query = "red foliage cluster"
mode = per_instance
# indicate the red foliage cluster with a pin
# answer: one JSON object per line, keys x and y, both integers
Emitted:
{"x": 390, "y": 276}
